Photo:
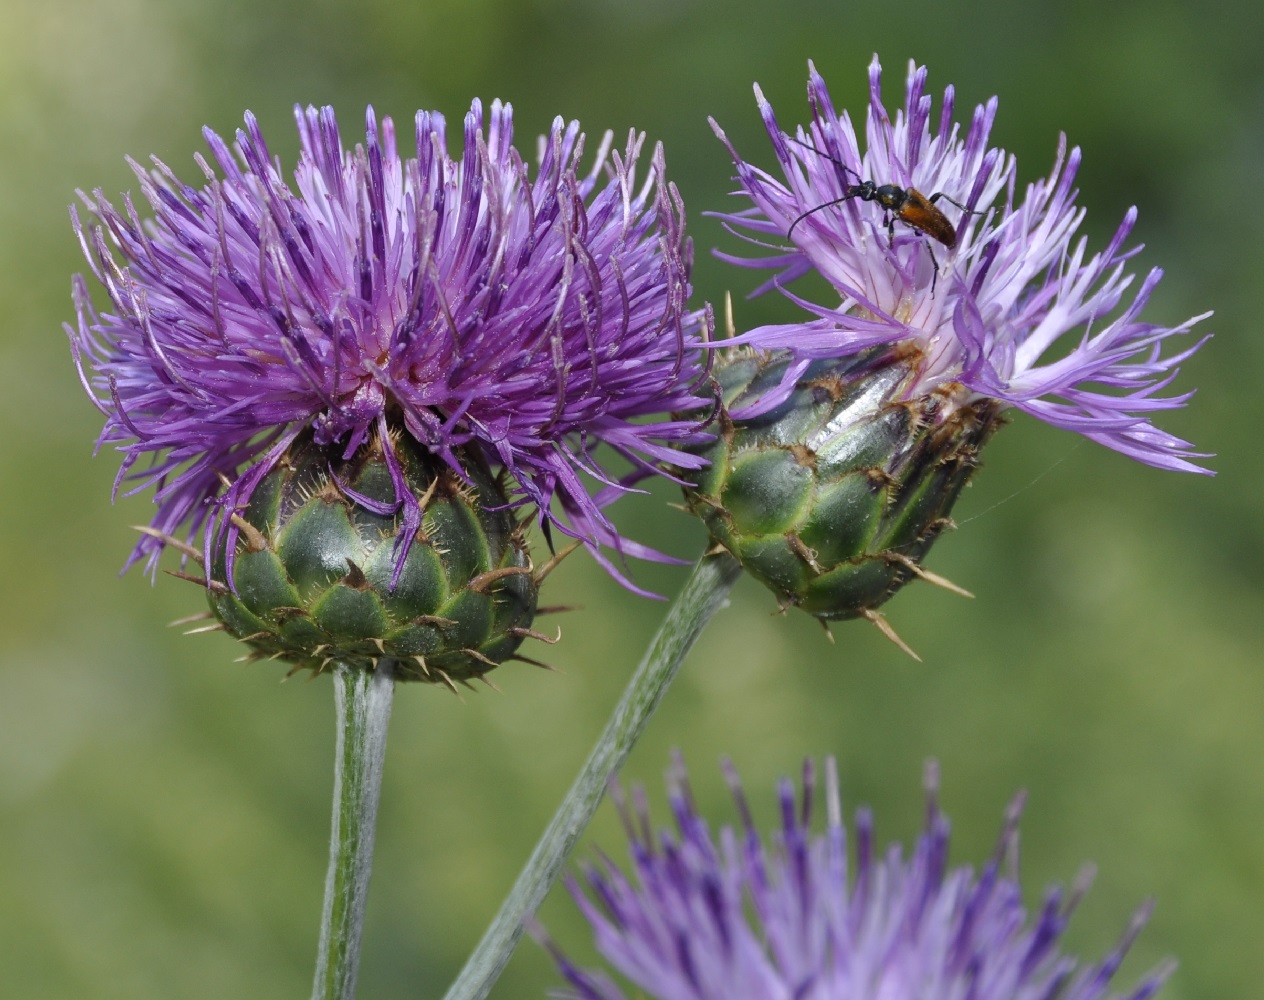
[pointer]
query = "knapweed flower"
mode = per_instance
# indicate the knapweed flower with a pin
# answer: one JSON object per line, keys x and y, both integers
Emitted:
{"x": 501, "y": 326}
{"x": 956, "y": 302}
{"x": 737, "y": 917}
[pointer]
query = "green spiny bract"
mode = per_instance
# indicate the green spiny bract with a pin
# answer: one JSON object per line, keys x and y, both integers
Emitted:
{"x": 832, "y": 498}
{"x": 313, "y": 567}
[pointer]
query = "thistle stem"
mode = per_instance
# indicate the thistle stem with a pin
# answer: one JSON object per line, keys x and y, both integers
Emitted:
{"x": 702, "y": 595}
{"x": 363, "y": 707}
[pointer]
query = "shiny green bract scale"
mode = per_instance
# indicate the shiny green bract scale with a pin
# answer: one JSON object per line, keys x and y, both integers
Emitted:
{"x": 832, "y": 499}
{"x": 313, "y": 567}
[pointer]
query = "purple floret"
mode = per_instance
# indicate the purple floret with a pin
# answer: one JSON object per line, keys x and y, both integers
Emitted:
{"x": 524, "y": 319}
{"x": 735, "y": 917}
{"x": 1015, "y": 310}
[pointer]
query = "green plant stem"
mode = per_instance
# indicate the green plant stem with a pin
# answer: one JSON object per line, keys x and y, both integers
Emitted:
{"x": 363, "y": 706}
{"x": 702, "y": 595}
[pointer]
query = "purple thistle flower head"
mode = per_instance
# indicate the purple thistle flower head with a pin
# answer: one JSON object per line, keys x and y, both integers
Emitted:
{"x": 735, "y": 917}
{"x": 525, "y": 320}
{"x": 919, "y": 232}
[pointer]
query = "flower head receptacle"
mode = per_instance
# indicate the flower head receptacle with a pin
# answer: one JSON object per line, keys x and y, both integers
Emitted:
{"x": 314, "y": 579}
{"x": 832, "y": 498}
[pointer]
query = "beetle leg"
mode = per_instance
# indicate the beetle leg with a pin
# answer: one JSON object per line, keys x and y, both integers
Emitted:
{"x": 940, "y": 194}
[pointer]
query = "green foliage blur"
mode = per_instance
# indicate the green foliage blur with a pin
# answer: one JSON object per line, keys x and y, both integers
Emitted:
{"x": 164, "y": 811}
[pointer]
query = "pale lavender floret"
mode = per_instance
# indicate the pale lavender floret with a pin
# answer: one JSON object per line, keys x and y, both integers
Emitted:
{"x": 529, "y": 318}
{"x": 1019, "y": 312}
{"x": 734, "y": 917}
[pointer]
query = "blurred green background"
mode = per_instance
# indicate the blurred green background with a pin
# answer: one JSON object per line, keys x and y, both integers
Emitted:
{"x": 164, "y": 812}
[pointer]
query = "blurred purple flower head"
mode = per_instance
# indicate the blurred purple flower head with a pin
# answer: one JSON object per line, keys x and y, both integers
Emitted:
{"x": 1013, "y": 309}
{"x": 484, "y": 311}
{"x": 735, "y": 918}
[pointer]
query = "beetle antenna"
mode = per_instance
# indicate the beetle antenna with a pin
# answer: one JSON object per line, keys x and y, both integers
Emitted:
{"x": 810, "y": 211}
{"x": 828, "y": 204}
{"x": 833, "y": 159}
